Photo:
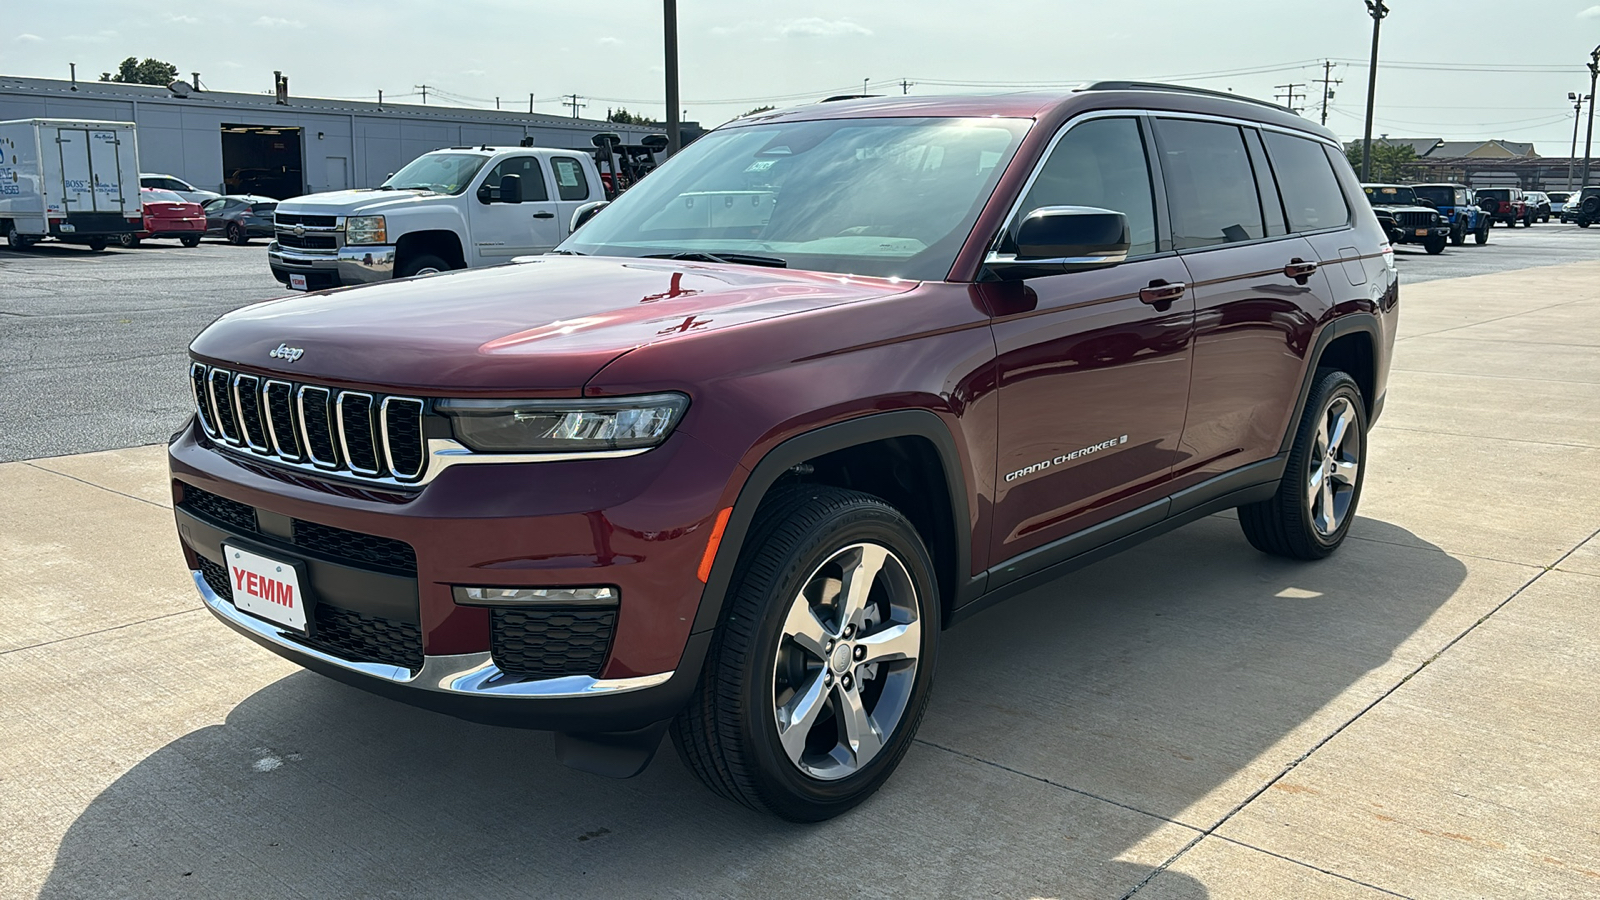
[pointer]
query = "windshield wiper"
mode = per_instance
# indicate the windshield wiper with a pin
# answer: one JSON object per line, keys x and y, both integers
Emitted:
{"x": 744, "y": 259}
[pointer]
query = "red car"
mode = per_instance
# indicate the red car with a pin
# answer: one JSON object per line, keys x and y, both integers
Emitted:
{"x": 166, "y": 215}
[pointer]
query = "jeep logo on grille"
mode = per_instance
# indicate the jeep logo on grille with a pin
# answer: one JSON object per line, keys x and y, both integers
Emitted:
{"x": 287, "y": 353}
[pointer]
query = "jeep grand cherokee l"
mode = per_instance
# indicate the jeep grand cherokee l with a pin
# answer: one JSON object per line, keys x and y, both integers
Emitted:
{"x": 830, "y": 380}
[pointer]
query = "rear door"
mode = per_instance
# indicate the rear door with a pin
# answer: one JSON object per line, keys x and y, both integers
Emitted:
{"x": 77, "y": 177}
{"x": 1259, "y": 292}
{"x": 105, "y": 167}
{"x": 1093, "y": 379}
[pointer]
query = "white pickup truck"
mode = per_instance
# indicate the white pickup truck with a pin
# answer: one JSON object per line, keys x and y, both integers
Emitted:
{"x": 448, "y": 209}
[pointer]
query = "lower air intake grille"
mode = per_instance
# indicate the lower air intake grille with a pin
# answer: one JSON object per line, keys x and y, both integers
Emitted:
{"x": 220, "y": 509}
{"x": 217, "y": 578}
{"x": 363, "y": 638}
{"x": 356, "y": 547}
{"x": 549, "y": 643}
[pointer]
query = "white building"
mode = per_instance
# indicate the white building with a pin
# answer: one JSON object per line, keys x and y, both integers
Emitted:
{"x": 251, "y": 143}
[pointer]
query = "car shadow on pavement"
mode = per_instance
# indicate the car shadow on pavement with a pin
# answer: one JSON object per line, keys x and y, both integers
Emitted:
{"x": 1079, "y": 736}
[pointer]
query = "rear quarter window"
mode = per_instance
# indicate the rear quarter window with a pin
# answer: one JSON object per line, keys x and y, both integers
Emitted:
{"x": 1311, "y": 196}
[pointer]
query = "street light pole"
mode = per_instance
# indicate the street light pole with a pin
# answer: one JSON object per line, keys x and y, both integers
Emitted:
{"x": 1577, "y": 119}
{"x": 669, "y": 20}
{"x": 1377, "y": 10}
{"x": 1588, "y": 140}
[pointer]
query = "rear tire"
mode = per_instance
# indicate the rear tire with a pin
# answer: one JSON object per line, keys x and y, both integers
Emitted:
{"x": 1458, "y": 234}
{"x": 237, "y": 235}
{"x": 1481, "y": 236}
{"x": 127, "y": 241}
{"x": 96, "y": 244}
{"x": 190, "y": 240}
{"x": 791, "y": 715}
{"x": 16, "y": 240}
{"x": 1316, "y": 501}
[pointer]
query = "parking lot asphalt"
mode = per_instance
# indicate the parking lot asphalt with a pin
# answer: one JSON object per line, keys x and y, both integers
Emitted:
{"x": 1412, "y": 717}
{"x": 93, "y": 346}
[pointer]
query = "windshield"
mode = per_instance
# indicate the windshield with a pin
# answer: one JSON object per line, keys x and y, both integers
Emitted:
{"x": 442, "y": 173}
{"x": 885, "y": 197}
{"x": 1438, "y": 196}
{"x": 1559, "y": 196}
{"x": 1390, "y": 195}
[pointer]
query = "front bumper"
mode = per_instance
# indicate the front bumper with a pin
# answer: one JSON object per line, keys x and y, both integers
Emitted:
{"x": 332, "y": 268}
{"x": 1399, "y": 235}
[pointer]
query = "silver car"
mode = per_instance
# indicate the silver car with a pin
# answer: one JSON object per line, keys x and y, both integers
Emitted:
{"x": 176, "y": 185}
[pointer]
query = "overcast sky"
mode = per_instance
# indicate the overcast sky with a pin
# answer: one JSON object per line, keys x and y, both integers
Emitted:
{"x": 737, "y": 55}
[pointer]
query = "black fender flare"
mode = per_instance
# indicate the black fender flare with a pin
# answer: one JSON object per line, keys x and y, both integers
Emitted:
{"x": 865, "y": 429}
{"x": 1348, "y": 324}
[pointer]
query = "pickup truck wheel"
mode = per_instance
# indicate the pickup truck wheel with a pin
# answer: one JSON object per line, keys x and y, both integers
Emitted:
{"x": 820, "y": 672}
{"x": 423, "y": 265}
{"x": 237, "y": 235}
{"x": 1316, "y": 500}
{"x": 1434, "y": 245}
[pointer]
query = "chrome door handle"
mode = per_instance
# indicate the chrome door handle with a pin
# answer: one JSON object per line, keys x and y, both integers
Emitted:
{"x": 1160, "y": 292}
{"x": 1299, "y": 270}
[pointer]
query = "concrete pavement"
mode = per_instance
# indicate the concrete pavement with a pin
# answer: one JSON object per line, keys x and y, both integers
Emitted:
{"x": 1191, "y": 719}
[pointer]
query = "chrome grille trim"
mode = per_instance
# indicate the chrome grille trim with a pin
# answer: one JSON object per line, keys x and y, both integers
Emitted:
{"x": 388, "y": 451}
{"x": 227, "y": 419}
{"x": 200, "y": 387}
{"x": 272, "y": 429}
{"x": 344, "y": 430}
{"x": 325, "y": 416}
{"x": 250, "y": 386}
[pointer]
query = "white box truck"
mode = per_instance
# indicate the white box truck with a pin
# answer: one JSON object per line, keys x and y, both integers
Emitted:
{"x": 75, "y": 180}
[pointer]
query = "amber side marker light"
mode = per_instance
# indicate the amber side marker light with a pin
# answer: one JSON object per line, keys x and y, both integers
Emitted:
{"x": 711, "y": 545}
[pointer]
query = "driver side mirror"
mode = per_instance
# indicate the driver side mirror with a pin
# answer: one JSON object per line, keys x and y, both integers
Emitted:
{"x": 1055, "y": 239}
{"x": 511, "y": 189}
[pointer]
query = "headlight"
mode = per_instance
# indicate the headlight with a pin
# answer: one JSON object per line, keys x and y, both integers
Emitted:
{"x": 365, "y": 230}
{"x": 564, "y": 426}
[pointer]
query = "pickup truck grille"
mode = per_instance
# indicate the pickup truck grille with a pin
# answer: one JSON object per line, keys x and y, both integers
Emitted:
{"x": 307, "y": 241}
{"x": 352, "y": 434}
{"x": 291, "y": 220}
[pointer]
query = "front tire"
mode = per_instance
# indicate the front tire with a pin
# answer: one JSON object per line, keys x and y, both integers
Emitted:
{"x": 1434, "y": 246}
{"x": 1316, "y": 501}
{"x": 424, "y": 264}
{"x": 820, "y": 671}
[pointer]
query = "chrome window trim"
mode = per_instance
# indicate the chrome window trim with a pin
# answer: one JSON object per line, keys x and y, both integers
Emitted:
{"x": 305, "y": 432}
{"x": 471, "y": 674}
{"x": 244, "y": 429}
{"x": 272, "y": 431}
{"x": 216, "y": 410}
{"x": 388, "y": 455}
{"x": 202, "y": 400}
{"x": 344, "y": 444}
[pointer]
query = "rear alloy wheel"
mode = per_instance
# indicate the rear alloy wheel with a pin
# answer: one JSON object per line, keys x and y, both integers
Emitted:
{"x": 1316, "y": 500}
{"x": 237, "y": 235}
{"x": 127, "y": 240}
{"x": 820, "y": 671}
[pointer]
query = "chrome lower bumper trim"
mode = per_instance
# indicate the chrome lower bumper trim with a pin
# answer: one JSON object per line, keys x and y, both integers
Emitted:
{"x": 351, "y": 265}
{"x": 468, "y": 674}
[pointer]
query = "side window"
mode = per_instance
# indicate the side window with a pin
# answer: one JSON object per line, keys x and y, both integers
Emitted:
{"x": 1211, "y": 189}
{"x": 213, "y": 206}
{"x": 1099, "y": 163}
{"x": 570, "y": 181}
{"x": 150, "y": 182}
{"x": 1311, "y": 195}
{"x": 533, "y": 189}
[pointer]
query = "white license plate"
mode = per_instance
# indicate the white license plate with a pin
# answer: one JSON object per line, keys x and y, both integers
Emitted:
{"x": 68, "y": 228}
{"x": 266, "y": 587}
{"x": 298, "y": 282}
{"x": 1422, "y": 232}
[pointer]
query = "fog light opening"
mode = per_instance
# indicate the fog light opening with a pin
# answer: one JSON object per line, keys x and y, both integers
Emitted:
{"x": 526, "y": 597}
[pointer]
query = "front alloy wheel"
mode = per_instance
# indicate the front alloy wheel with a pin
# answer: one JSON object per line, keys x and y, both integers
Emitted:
{"x": 846, "y": 661}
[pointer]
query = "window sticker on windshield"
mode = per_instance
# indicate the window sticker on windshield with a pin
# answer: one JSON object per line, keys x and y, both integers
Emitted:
{"x": 566, "y": 172}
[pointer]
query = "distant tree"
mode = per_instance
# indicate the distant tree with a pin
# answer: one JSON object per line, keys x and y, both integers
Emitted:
{"x": 1390, "y": 162}
{"x": 151, "y": 71}
{"x": 759, "y": 109}
{"x": 622, "y": 116}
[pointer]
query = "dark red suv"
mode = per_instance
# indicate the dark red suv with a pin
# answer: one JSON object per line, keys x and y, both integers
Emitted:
{"x": 828, "y": 382}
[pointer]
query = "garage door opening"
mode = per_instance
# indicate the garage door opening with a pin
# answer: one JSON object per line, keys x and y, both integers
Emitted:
{"x": 262, "y": 159}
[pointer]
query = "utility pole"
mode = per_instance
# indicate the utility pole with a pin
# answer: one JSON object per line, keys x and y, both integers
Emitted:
{"x": 574, "y": 101}
{"x": 906, "y": 86}
{"x": 864, "y": 86}
{"x": 669, "y": 33}
{"x": 1578, "y": 100}
{"x": 1327, "y": 81}
{"x": 530, "y": 104}
{"x": 1289, "y": 90}
{"x": 424, "y": 89}
{"x": 1377, "y": 10}
{"x": 497, "y": 103}
{"x": 1588, "y": 140}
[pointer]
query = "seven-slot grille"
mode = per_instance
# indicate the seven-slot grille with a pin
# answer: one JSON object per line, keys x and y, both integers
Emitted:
{"x": 1416, "y": 219}
{"x": 349, "y": 433}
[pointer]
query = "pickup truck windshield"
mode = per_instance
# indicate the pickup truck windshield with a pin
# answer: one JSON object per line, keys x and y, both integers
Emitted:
{"x": 885, "y": 197}
{"x": 442, "y": 173}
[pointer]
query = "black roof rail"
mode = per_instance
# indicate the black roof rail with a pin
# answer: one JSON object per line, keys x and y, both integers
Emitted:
{"x": 1179, "y": 89}
{"x": 847, "y": 97}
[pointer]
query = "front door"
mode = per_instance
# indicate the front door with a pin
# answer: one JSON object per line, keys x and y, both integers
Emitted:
{"x": 502, "y": 230}
{"x": 1094, "y": 380}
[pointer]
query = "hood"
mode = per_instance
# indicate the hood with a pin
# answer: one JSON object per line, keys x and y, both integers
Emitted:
{"x": 1401, "y": 207}
{"x": 541, "y": 327}
{"x": 356, "y": 202}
